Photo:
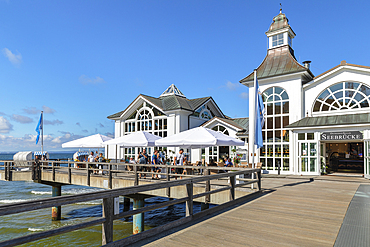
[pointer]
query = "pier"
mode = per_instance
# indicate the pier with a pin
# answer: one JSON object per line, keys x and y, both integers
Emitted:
{"x": 224, "y": 189}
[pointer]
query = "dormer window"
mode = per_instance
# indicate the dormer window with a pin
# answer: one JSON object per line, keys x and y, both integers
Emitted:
{"x": 277, "y": 39}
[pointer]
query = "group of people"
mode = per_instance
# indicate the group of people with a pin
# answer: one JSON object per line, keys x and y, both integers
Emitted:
{"x": 158, "y": 159}
{"x": 92, "y": 158}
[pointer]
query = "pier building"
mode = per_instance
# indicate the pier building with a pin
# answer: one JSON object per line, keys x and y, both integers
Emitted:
{"x": 313, "y": 124}
{"x": 171, "y": 113}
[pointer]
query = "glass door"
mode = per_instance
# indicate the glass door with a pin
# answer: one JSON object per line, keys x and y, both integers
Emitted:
{"x": 308, "y": 157}
{"x": 367, "y": 159}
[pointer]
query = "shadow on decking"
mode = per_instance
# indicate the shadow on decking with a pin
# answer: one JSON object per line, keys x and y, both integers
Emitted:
{"x": 207, "y": 214}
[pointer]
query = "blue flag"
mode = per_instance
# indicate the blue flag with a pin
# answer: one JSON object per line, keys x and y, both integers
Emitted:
{"x": 260, "y": 120}
{"x": 38, "y": 129}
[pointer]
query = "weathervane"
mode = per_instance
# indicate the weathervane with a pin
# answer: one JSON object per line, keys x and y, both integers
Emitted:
{"x": 281, "y": 8}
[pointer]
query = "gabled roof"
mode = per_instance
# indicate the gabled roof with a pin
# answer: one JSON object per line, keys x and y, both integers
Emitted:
{"x": 168, "y": 103}
{"x": 241, "y": 123}
{"x": 344, "y": 119}
{"x": 278, "y": 61}
{"x": 342, "y": 63}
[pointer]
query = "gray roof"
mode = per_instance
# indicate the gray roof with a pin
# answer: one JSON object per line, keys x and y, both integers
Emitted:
{"x": 278, "y": 61}
{"x": 345, "y": 119}
{"x": 168, "y": 103}
{"x": 241, "y": 123}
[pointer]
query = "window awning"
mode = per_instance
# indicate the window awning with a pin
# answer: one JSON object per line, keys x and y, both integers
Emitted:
{"x": 333, "y": 120}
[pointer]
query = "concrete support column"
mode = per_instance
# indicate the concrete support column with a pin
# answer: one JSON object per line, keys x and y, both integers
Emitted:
{"x": 56, "y": 212}
{"x": 138, "y": 219}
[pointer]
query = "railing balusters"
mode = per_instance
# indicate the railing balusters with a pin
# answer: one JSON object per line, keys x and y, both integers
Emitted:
{"x": 136, "y": 181}
{"x": 110, "y": 176}
{"x": 88, "y": 175}
{"x": 168, "y": 171}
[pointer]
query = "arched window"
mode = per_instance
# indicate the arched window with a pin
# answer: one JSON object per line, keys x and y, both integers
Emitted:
{"x": 275, "y": 150}
{"x": 221, "y": 129}
{"x": 343, "y": 96}
{"x": 144, "y": 120}
{"x": 204, "y": 112}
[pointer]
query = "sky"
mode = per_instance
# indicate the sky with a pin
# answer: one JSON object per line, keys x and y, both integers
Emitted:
{"x": 81, "y": 61}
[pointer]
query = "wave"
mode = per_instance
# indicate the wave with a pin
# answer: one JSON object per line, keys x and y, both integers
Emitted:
{"x": 41, "y": 192}
{"x": 96, "y": 202}
{"x": 34, "y": 229}
{"x": 79, "y": 191}
{"x": 13, "y": 201}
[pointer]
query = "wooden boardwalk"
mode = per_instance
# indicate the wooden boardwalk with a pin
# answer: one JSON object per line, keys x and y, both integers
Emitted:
{"x": 291, "y": 212}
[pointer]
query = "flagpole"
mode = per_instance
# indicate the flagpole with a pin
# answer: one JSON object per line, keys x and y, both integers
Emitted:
{"x": 42, "y": 134}
{"x": 255, "y": 119}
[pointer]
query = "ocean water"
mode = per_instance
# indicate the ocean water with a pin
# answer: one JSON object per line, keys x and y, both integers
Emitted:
{"x": 18, "y": 225}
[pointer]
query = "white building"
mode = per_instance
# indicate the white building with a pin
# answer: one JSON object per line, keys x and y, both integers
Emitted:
{"x": 311, "y": 122}
{"x": 172, "y": 113}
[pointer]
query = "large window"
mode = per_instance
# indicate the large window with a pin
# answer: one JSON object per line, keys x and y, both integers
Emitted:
{"x": 217, "y": 153}
{"x": 145, "y": 118}
{"x": 343, "y": 96}
{"x": 275, "y": 150}
{"x": 277, "y": 40}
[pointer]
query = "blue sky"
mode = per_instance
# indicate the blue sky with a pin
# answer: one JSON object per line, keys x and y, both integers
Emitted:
{"x": 81, "y": 61}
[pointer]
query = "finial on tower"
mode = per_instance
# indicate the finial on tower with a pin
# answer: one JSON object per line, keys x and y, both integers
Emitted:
{"x": 281, "y": 8}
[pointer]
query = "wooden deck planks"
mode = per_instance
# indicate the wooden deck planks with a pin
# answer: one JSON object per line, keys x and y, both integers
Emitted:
{"x": 296, "y": 213}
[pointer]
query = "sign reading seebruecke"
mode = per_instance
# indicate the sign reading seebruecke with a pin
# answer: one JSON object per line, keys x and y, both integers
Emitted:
{"x": 336, "y": 136}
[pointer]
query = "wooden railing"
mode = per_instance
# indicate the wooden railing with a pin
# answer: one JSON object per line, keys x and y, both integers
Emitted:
{"x": 67, "y": 166}
{"x": 108, "y": 204}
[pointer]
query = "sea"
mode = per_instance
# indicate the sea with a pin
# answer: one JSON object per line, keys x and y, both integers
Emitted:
{"x": 17, "y": 225}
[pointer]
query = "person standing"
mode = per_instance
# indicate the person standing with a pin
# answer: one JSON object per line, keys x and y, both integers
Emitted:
{"x": 143, "y": 159}
{"x": 155, "y": 161}
{"x": 179, "y": 161}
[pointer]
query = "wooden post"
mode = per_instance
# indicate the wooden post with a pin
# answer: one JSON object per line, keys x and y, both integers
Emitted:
{"x": 88, "y": 175}
{"x": 56, "y": 212}
{"x": 138, "y": 219}
{"x": 136, "y": 178}
{"x": 207, "y": 198}
{"x": 110, "y": 177}
{"x": 69, "y": 173}
{"x": 168, "y": 171}
{"x": 6, "y": 171}
{"x": 259, "y": 180}
{"x": 107, "y": 226}
{"x": 232, "y": 189}
{"x": 53, "y": 170}
{"x": 189, "y": 202}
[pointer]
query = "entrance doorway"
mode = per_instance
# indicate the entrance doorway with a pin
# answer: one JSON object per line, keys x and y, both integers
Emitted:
{"x": 345, "y": 157}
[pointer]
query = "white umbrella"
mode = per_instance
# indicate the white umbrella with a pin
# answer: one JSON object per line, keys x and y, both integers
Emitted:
{"x": 135, "y": 139}
{"x": 94, "y": 141}
{"x": 199, "y": 137}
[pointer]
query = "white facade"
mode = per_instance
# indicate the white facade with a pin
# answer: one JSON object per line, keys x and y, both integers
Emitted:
{"x": 292, "y": 134}
{"x": 169, "y": 114}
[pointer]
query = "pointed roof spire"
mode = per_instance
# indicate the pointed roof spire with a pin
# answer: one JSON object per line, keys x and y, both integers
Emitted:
{"x": 281, "y": 8}
{"x": 172, "y": 90}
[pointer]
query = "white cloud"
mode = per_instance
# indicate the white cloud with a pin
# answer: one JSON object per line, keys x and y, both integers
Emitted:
{"x": 232, "y": 86}
{"x": 31, "y": 110}
{"x": 22, "y": 119}
{"x": 244, "y": 95}
{"x": 54, "y": 122}
{"x": 5, "y": 125}
{"x": 13, "y": 58}
{"x": 87, "y": 80}
{"x": 28, "y": 142}
{"x": 48, "y": 110}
